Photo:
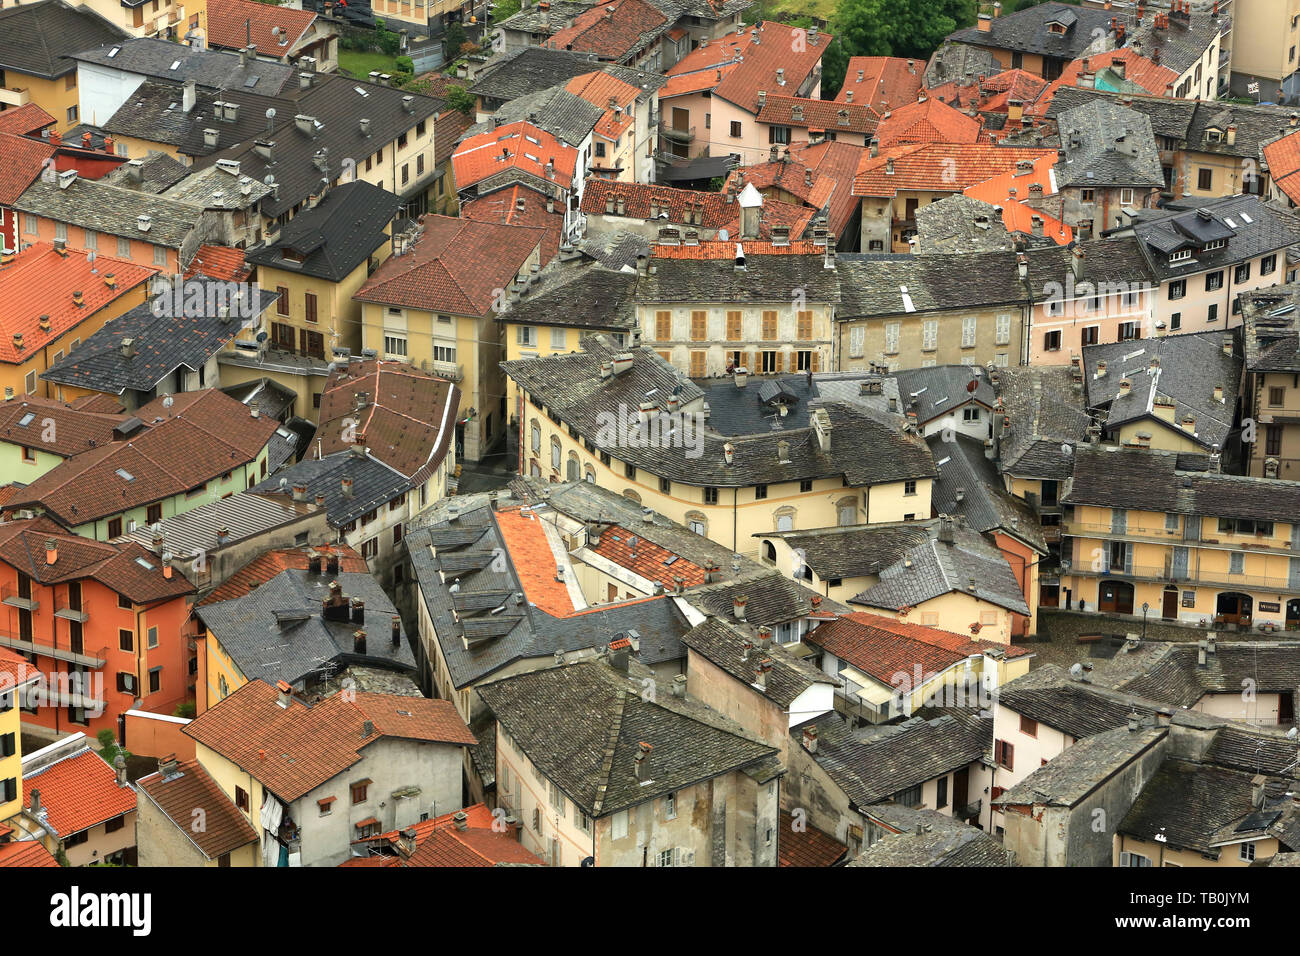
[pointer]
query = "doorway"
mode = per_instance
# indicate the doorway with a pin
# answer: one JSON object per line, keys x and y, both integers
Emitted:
{"x": 1116, "y": 597}
{"x": 1293, "y": 614}
{"x": 960, "y": 785}
{"x": 1233, "y": 607}
{"x": 1169, "y": 610}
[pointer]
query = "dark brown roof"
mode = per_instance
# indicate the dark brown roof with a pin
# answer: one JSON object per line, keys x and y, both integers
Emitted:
{"x": 189, "y": 791}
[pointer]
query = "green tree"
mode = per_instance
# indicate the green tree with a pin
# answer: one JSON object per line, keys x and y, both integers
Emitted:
{"x": 459, "y": 98}
{"x": 405, "y": 65}
{"x": 835, "y": 64}
{"x": 453, "y": 40}
{"x": 504, "y": 9}
{"x": 913, "y": 28}
{"x": 108, "y": 746}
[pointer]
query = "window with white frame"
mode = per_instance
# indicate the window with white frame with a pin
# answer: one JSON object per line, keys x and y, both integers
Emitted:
{"x": 891, "y": 337}
{"x": 930, "y": 334}
{"x": 444, "y": 353}
{"x": 857, "y": 338}
{"x": 1002, "y": 329}
{"x": 395, "y": 344}
{"x": 527, "y": 336}
{"x": 968, "y": 331}
{"x": 559, "y": 338}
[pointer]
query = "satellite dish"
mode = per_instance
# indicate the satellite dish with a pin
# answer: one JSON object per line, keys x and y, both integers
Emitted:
{"x": 270, "y": 112}
{"x": 1066, "y": 449}
{"x": 1076, "y": 671}
{"x": 723, "y": 235}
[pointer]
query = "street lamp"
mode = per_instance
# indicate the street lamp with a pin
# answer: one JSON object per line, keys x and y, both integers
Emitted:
{"x": 1145, "y": 607}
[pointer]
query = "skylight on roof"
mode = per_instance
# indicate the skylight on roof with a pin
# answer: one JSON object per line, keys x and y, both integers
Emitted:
{"x": 1229, "y": 221}
{"x": 144, "y": 564}
{"x": 123, "y": 473}
{"x": 1245, "y": 217}
{"x": 26, "y": 419}
{"x": 114, "y": 52}
{"x": 251, "y": 82}
{"x": 175, "y": 64}
{"x": 907, "y": 300}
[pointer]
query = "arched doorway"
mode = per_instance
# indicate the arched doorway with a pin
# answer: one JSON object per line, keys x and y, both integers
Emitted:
{"x": 1115, "y": 597}
{"x": 1169, "y": 605}
{"x": 1233, "y": 607}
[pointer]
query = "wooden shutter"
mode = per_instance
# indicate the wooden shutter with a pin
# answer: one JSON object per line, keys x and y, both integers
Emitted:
{"x": 769, "y": 326}
{"x": 804, "y": 332}
{"x": 663, "y": 326}
{"x": 282, "y": 303}
{"x": 733, "y": 327}
{"x": 309, "y": 304}
{"x": 816, "y": 361}
{"x": 699, "y": 326}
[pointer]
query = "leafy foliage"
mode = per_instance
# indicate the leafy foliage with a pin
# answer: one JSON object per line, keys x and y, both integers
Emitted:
{"x": 453, "y": 39}
{"x": 913, "y": 28}
{"x": 459, "y": 98}
{"x": 108, "y": 746}
{"x": 504, "y": 9}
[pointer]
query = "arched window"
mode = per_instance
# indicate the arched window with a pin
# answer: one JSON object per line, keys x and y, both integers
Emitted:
{"x": 631, "y": 495}
{"x": 536, "y": 429}
{"x": 572, "y": 468}
{"x": 556, "y": 453}
{"x": 769, "y": 551}
{"x": 785, "y": 519}
{"x": 590, "y": 475}
{"x": 534, "y": 469}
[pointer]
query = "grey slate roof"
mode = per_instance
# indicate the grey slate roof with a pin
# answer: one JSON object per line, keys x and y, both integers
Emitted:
{"x": 214, "y": 69}
{"x": 566, "y": 116}
{"x": 935, "y": 391}
{"x": 1169, "y": 117}
{"x": 243, "y": 515}
{"x": 872, "y": 764}
{"x": 1076, "y": 771}
{"x": 773, "y": 599}
{"x": 862, "y": 450}
{"x": 613, "y": 250}
{"x": 765, "y": 278}
{"x": 162, "y": 343}
{"x": 338, "y": 104}
{"x": 1026, "y": 30}
{"x": 158, "y": 171}
{"x": 94, "y": 205}
{"x": 1250, "y": 227}
{"x": 545, "y": 20}
{"x": 870, "y": 286}
{"x": 1174, "y": 676}
{"x": 215, "y": 188}
{"x": 855, "y": 550}
{"x": 464, "y": 560}
{"x": 723, "y": 644}
{"x": 1050, "y": 696}
{"x": 534, "y": 69}
{"x": 935, "y": 839}
{"x": 582, "y": 725}
{"x": 373, "y": 484}
{"x": 985, "y": 504}
{"x": 1190, "y": 367}
{"x": 1271, "y": 337}
{"x": 155, "y": 111}
{"x": 1150, "y": 480}
{"x": 756, "y": 407}
{"x": 248, "y": 630}
{"x": 1096, "y": 138}
{"x": 1181, "y": 44}
{"x": 335, "y": 236}
{"x": 40, "y": 39}
{"x": 1191, "y": 806}
{"x": 1045, "y": 413}
{"x": 968, "y": 565}
{"x": 587, "y": 296}
{"x": 960, "y": 224}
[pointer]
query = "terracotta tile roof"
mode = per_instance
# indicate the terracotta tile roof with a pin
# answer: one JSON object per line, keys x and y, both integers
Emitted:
{"x": 200, "y": 437}
{"x": 1283, "y": 159}
{"x": 719, "y": 249}
{"x": 114, "y": 564}
{"x": 293, "y": 750}
{"x": 26, "y": 853}
{"x": 927, "y": 121}
{"x": 611, "y": 29}
{"x": 21, "y": 162}
{"x": 227, "y": 19}
{"x": 408, "y": 422}
{"x": 1016, "y": 215}
{"x": 520, "y": 146}
{"x": 15, "y": 669}
{"x": 807, "y": 846}
{"x": 787, "y": 175}
{"x": 599, "y": 88}
{"x": 439, "y": 843}
{"x": 455, "y": 267}
{"x": 832, "y": 165}
{"x": 817, "y": 114}
{"x": 502, "y": 207}
{"x": 79, "y": 792}
{"x": 180, "y": 796}
{"x": 524, "y": 537}
{"x": 25, "y": 120}
{"x": 58, "y": 427}
{"x": 882, "y": 647}
{"x": 887, "y": 81}
{"x": 735, "y": 67}
{"x": 713, "y": 208}
{"x": 270, "y": 564}
{"x": 220, "y": 262}
{"x": 936, "y": 166}
{"x": 649, "y": 560}
{"x": 41, "y": 282}
{"x": 1150, "y": 76}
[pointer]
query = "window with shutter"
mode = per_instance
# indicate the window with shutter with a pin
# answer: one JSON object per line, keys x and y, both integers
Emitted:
{"x": 663, "y": 326}
{"x": 891, "y": 338}
{"x": 769, "y": 326}
{"x": 857, "y": 338}
{"x": 805, "y": 324}
{"x": 697, "y": 364}
{"x": 699, "y": 326}
{"x": 733, "y": 327}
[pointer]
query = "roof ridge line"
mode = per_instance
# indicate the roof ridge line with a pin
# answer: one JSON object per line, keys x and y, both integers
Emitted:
{"x": 611, "y": 744}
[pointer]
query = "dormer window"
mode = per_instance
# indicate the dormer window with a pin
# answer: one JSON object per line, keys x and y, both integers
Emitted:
{"x": 1182, "y": 255}
{"x": 1057, "y": 28}
{"x": 1213, "y": 136}
{"x": 1214, "y": 244}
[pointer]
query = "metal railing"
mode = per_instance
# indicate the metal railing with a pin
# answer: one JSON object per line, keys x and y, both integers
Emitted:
{"x": 677, "y": 135}
{"x": 1192, "y": 576}
{"x": 95, "y": 660}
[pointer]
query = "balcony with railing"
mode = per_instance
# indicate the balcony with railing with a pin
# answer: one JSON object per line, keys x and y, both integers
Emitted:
{"x": 678, "y": 135}
{"x": 451, "y": 371}
{"x": 96, "y": 659}
{"x": 1166, "y": 573}
{"x": 64, "y": 610}
{"x": 9, "y": 595}
{"x": 1191, "y": 536}
{"x": 11, "y": 96}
